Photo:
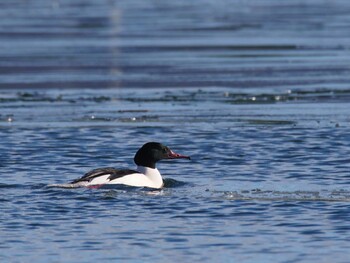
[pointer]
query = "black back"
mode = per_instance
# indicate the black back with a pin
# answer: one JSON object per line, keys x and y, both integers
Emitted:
{"x": 114, "y": 174}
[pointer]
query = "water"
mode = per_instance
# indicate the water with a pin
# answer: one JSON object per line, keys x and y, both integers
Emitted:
{"x": 256, "y": 92}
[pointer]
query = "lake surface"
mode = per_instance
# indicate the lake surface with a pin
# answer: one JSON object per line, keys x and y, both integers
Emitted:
{"x": 257, "y": 92}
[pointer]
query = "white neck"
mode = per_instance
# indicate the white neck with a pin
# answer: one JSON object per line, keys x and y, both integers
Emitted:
{"x": 152, "y": 174}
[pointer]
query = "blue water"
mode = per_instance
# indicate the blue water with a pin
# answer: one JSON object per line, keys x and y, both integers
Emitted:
{"x": 257, "y": 93}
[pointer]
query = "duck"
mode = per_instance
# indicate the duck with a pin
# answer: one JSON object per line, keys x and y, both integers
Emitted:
{"x": 144, "y": 175}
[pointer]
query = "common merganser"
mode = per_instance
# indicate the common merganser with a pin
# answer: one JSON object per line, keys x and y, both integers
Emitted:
{"x": 145, "y": 175}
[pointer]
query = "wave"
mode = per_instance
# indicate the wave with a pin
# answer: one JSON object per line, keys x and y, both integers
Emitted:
{"x": 271, "y": 195}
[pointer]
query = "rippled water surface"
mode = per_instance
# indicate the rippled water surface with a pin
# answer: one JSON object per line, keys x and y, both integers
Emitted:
{"x": 257, "y": 92}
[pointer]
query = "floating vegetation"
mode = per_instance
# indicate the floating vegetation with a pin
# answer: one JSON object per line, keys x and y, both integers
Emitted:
{"x": 132, "y": 111}
{"x": 185, "y": 106}
{"x": 315, "y": 95}
{"x": 95, "y": 98}
{"x": 270, "y": 122}
{"x": 232, "y": 96}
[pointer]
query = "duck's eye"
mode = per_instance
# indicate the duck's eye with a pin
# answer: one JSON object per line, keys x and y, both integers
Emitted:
{"x": 165, "y": 150}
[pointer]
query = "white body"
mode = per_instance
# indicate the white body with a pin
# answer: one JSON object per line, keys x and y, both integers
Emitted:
{"x": 147, "y": 177}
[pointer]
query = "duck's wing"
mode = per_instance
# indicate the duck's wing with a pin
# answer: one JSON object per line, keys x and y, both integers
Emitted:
{"x": 112, "y": 172}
